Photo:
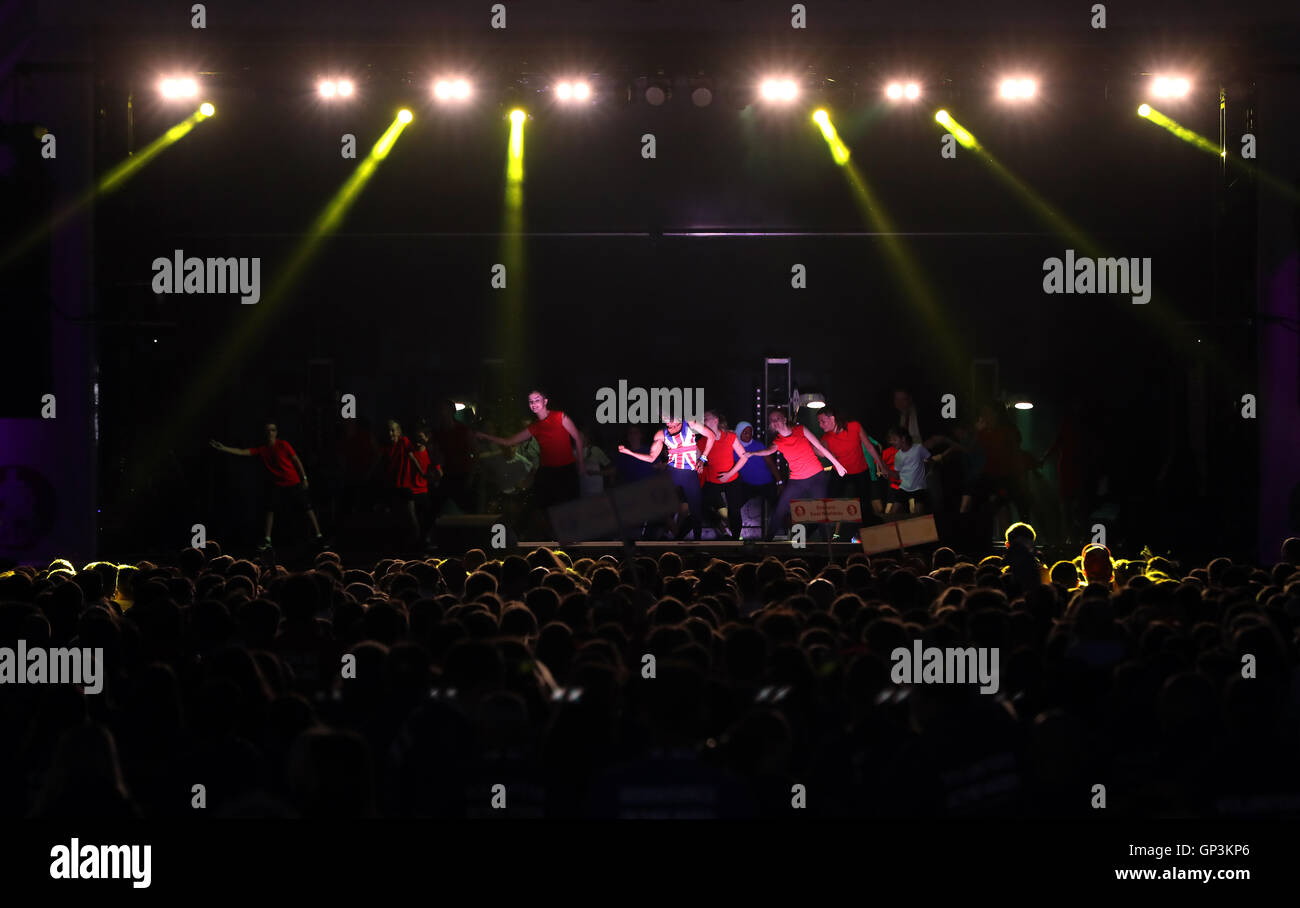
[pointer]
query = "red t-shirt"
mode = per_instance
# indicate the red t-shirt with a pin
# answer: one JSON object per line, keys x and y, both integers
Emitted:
{"x": 721, "y": 459}
{"x": 278, "y": 458}
{"x": 553, "y": 441}
{"x": 798, "y": 453}
{"x": 414, "y": 481}
{"x": 887, "y": 456}
{"x": 846, "y": 445}
{"x": 397, "y": 466}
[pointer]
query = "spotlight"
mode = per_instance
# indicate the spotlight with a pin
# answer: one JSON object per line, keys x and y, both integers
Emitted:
{"x": 178, "y": 88}
{"x": 1017, "y": 89}
{"x": 821, "y": 118}
{"x": 345, "y": 88}
{"x": 781, "y": 91}
{"x": 1144, "y": 110}
{"x": 405, "y": 116}
{"x": 702, "y": 96}
{"x": 459, "y": 405}
{"x": 327, "y": 89}
{"x": 451, "y": 90}
{"x": 657, "y": 89}
{"x": 572, "y": 91}
{"x": 517, "y": 116}
{"x": 1170, "y": 87}
{"x": 207, "y": 109}
{"x": 1023, "y": 405}
{"x": 897, "y": 91}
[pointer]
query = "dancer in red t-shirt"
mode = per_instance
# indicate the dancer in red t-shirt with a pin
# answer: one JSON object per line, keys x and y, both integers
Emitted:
{"x": 722, "y": 496}
{"x": 559, "y": 473}
{"x": 285, "y": 480}
{"x": 848, "y": 441}
{"x": 800, "y": 450}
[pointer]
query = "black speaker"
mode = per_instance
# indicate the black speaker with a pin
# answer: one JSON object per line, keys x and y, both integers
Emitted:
{"x": 455, "y": 533}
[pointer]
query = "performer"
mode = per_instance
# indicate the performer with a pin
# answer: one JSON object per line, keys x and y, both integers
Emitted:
{"x": 285, "y": 481}
{"x": 406, "y": 475}
{"x": 723, "y": 497}
{"x": 758, "y": 478}
{"x": 848, "y": 442}
{"x": 681, "y": 439}
{"x": 800, "y": 450}
{"x": 559, "y": 471}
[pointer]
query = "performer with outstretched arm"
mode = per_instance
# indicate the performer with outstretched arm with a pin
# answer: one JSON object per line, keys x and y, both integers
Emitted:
{"x": 559, "y": 472}
{"x": 800, "y": 450}
{"x": 285, "y": 481}
{"x": 685, "y": 460}
{"x": 848, "y": 442}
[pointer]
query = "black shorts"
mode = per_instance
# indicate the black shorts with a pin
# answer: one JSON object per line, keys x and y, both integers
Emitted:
{"x": 898, "y": 496}
{"x": 276, "y": 498}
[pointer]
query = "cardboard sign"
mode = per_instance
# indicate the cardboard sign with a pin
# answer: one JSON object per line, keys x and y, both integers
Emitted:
{"x": 891, "y": 537}
{"x": 826, "y": 510}
{"x": 649, "y": 499}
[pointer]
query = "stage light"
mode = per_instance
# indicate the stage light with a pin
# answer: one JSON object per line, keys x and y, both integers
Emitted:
{"x": 1023, "y": 405}
{"x": 568, "y": 92}
{"x": 173, "y": 89}
{"x": 781, "y": 91}
{"x": 701, "y": 97}
{"x": 961, "y": 135}
{"x": 897, "y": 91}
{"x": 517, "y": 116}
{"x": 451, "y": 90}
{"x": 459, "y": 406}
{"x": 207, "y": 109}
{"x": 839, "y": 151}
{"x": 345, "y": 88}
{"x": 405, "y": 116}
{"x": 1144, "y": 110}
{"x": 1170, "y": 87}
{"x": 1017, "y": 89}
{"x": 327, "y": 88}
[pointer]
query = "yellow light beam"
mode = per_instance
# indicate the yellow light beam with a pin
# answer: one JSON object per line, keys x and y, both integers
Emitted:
{"x": 1150, "y": 114}
{"x": 906, "y": 270}
{"x": 110, "y": 181}
{"x": 252, "y": 324}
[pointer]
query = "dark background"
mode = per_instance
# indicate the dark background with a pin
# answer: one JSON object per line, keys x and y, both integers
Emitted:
{"x": 397, "y": 309}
